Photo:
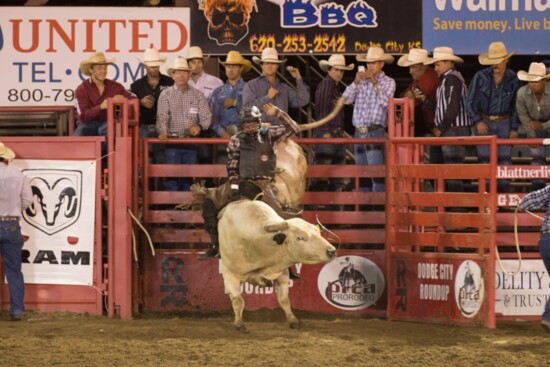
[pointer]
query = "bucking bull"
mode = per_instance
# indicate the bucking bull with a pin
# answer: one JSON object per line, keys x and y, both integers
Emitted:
{"x": 256, "y": 244}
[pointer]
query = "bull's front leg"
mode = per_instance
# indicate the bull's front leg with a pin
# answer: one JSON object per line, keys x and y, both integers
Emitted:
{"x": 233, "y": 289}
{"x": 282, "y": 296}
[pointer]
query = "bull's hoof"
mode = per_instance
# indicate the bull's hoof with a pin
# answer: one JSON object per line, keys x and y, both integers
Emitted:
{"x": 240, "y": 328}
{"x": 295, "y": 325}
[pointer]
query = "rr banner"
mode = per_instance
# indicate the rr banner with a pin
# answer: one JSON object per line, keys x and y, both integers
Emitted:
{"x": 59, "y": 223}
{"x": 470, "y": 26}
{"x": 305, "y": 26}
{"x": 41, "y": 47}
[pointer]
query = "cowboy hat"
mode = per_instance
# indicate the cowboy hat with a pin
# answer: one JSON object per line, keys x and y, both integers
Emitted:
{"x": 335, "y": 61}
{"x": 195, "y": 52}
{"x": 6, "y": 152}
{"x": 443, "y": 54}
{"x": 152, "y": 58}
{"x": 497, "y": 54}
{"x": 180, "y": 63}
{"x": 235, "y": 58}
{"x": 537, "y": 71}
{"x": 375, "y": 54}
{"x": 95, "y": 59}
{"x": 268, "y": 55}
{"x": 414, "y": 57}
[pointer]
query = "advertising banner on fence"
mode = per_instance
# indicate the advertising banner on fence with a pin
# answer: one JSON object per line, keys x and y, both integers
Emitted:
{"x": 41, "y": 47}
{"x": 470, "y": 26}
{"x": 305, "y": 26}
{"x": 59, "y": 223}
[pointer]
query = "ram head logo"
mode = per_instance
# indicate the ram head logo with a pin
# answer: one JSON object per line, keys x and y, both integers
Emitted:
{"x": 56, "y": 203}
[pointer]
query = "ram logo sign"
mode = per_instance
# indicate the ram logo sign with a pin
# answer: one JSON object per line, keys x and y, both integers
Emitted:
{"x": 57, "y": 198}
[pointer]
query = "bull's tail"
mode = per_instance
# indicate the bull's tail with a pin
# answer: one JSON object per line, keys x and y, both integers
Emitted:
{"x": 313, "y": 125}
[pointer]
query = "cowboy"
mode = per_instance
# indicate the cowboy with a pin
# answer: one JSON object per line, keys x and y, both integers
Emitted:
{"x": 200, "y": 80}
{"x": 15, "y": 196}
{"x": 91, "y": 96}
{"x": 182, "y": 112}
{"x": 268, "y": 89}
{"x": 148, "y": 89}
{"x": 327, "y": 92}
{"x": 423, "y": 86}
{"x": 492, "y": 104}
{"x": 371, "y": 91}
{"x": 533, "y": 108}
{"x": 451, "y": 118}
{"x": 226, "y": 101}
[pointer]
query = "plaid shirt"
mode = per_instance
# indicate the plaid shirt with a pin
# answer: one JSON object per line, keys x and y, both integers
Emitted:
{"x": 371, "y": 108}
{"x": 179, "y": 109}
{"x": 275, "y": 134}
{"x": 538, "y": 200}
{"x": 486, "y": 98}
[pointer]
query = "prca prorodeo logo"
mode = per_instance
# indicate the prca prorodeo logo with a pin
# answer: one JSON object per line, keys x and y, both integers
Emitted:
{"x": 351, "y": 283}
{"x": 469, "y": 288}
{"x": 57, "y": 197}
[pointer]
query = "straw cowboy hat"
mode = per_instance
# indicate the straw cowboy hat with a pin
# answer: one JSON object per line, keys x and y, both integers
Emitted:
{"x": 443, "y": 54}
{"x": 335, "y": 61}
{"x": 6, "y": 152}
{"x": 537, "y": 71}
{"x": 375, "y": 54}
{"x": 152, "y": 58}
{"x": 95, "y": 59}
{"x": 180, "y": 63}
{"x": 235, "y": 58}
{"x": 414, "y": 57}
{"x": 497, "y": 54}
{"x": 268, "y": 55}
{"x": 195, "y": 52}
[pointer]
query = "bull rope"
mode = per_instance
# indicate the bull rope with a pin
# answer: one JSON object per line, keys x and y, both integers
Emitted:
{"x": 134, "y": 242}
{"x": 516, "y": 240}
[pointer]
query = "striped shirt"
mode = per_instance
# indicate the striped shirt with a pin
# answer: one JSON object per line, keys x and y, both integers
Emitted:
{"x": 275, "y": 133}
{"x": 451, "y": 102}
{"x": 371, "y": 107}
{"x": 538, "y": 200}
{"x": 326, "y": 94}
{"x": 484, "y": 97}
{"x": 179, "y": 109}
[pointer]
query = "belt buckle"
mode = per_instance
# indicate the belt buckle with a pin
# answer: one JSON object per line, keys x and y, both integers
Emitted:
{"x": 494, "y": 118}
{"x": 363, "y": 129}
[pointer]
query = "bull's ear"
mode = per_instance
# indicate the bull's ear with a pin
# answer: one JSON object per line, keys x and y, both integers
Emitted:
{"x": 279, "y": 238}
{"x": 276, "y": 226}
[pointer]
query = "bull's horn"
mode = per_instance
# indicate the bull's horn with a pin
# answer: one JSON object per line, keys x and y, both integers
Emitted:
{"x": 276, "y": 227}
{"x": 313, "y": 125}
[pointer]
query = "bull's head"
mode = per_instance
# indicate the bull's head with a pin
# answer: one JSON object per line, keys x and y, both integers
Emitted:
{"x": 61, "y": 196}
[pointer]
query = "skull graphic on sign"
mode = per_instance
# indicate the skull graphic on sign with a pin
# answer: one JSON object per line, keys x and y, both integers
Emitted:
{"x": 227, "y": 19}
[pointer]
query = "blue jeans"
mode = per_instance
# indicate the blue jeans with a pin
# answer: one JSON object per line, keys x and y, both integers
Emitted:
{"x": 11, "y": 245}
{"x": 93, "y": 128}
{"x": 370, "y": 154}
{"x": 180, "y": 155}
{"x": 544, "y": 249}
{"x": 502, "y": 130}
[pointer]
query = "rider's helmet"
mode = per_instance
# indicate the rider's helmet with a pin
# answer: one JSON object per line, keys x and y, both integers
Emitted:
{"x": 250, "y": 114}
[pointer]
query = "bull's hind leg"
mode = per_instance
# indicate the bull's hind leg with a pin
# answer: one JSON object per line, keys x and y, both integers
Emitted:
{"x": 233, "y": 289}
{"x": 284, "y": 301}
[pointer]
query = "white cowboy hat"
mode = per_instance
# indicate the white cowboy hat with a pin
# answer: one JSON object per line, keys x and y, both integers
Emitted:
{"x": 195, "y": 52}
{"x": 6, "y": 152}
{"x": 152, "y": 58}
{"x": 414, "y": 57}
{"x": 497, "y": 54}
{"x": 235, "y": 58}
{"x": 443, "y": 54}
{"x": 179, "y": 63}
{"x": 95, "y": 59}
{"x": 537, "y": 71}
{"x": 335, "y": 61}
{"x": 268, "y": 55}
{"x": 375, "y": 54}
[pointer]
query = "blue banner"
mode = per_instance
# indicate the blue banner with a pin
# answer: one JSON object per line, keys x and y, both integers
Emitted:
{"x": 469, "y": 26}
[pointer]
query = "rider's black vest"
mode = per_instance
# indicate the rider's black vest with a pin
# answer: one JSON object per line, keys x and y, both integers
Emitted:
{"x": 257, "y": 159}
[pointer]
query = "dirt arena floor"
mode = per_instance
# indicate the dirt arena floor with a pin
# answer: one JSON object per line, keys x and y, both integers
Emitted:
{"x": 78, "y": 340}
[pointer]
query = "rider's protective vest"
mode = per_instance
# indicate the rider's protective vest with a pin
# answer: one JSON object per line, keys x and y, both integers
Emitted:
{"x": 257, "y": 158}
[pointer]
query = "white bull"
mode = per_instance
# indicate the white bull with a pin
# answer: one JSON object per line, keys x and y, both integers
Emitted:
{"x": 257, "y": 246}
